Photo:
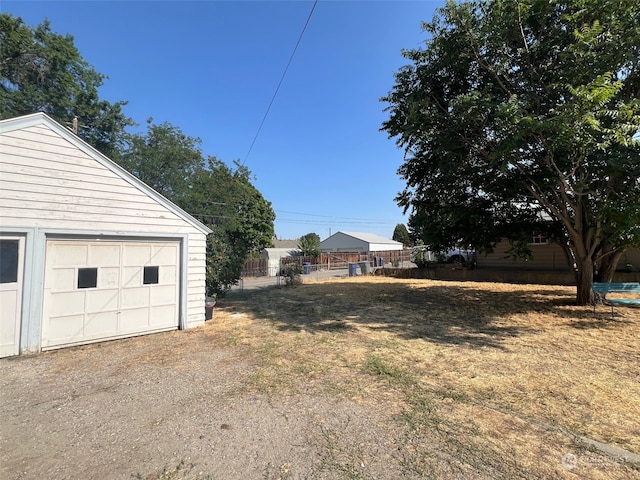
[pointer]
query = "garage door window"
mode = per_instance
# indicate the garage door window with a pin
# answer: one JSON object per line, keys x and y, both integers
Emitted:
{"x": 150, "y": 276}
{"x": 8, "y": 261}
{"x": 87, "y": 277}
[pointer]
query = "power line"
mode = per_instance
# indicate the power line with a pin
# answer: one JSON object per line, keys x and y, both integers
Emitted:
{"x": 329, "y": 219}
{"x": 317, "y": 217}
{"x": 305, "y": 214}
{"x": 334, "y": 221}
{"x": 339, "y": 218}
{"x": 281, "y": 80}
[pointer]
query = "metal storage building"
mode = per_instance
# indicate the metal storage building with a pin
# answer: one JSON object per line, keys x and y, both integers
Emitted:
{"x": 358, "y": 242}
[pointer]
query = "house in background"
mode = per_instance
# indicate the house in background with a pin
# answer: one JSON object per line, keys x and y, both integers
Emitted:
{"x": 358, "y": 242}
{"x": 87, "y": 251}
{"x": 287, "y": 244}
{"x": 547, "y": 256}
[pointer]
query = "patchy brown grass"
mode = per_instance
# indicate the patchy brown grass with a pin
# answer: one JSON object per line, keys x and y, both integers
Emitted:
{"x": 499, "y": 378}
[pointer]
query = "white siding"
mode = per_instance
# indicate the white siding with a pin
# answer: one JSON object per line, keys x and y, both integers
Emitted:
{"x": 197, "y": 259}
{"x": 48, "y": 182}
{"x": 384, "y": 247}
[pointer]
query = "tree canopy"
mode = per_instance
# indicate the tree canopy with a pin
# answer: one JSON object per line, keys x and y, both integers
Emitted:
{"x": 165, "y": 159}
{"x": 221, "y": 197}
{"x": 309, "y": 245}
{"x": 42, "y": 71}
{"x": 522, "y": 117}
{"x": 241, "y": 219}
{"x": 401, "y": 234}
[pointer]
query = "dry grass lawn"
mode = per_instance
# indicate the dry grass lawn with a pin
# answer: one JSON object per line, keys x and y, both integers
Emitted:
{"x": 480, "y": 377}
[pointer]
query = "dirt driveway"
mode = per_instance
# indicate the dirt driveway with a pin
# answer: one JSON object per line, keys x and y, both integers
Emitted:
{"x": 173, "y": 405}
{"x": 354, "y": 378}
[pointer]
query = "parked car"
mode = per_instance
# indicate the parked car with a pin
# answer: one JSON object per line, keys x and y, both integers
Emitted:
{"x": 465, "y": 257}
{"x": 421, "y": 256}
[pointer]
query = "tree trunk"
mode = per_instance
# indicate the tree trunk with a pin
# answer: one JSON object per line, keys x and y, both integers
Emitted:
{"x": 568, "y": 257}
{"x": 584, "y": 278}
{"x": 608, "y": 266}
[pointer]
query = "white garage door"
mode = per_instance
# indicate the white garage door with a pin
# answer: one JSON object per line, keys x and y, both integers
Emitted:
{"x": 103, "y": 290}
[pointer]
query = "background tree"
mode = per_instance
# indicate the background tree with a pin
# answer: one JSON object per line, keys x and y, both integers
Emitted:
{"x": 165, "y": 159}
{"x": 522, "y": 117}
{"x": 241, "y": 219}
{"x": 221, "y": 197}
{"x": 401, "y": 234}
{"x": 309, "y": 245}
{"x": 41, "y": 71}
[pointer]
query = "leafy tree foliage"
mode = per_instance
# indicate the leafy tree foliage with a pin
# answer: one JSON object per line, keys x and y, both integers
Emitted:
{"x": 165, "y": 159}
{"x": 41, "y": 71}
{"x": 309, "y": 245}
{"x": 401, "y": 234}
{"x": 221, "y": 197}
{"x": 522, "y": 117}
{"x": 241, "y": 219}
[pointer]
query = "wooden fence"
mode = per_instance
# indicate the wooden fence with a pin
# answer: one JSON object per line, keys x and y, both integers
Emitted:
{"x": 258, "y": 267}
{"x": 255, "y": 267}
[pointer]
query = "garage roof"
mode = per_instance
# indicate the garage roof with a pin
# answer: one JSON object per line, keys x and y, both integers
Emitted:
{"x": 40, "y": 118}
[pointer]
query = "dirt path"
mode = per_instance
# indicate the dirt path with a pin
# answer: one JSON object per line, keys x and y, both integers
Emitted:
{"x": 173, "y": 403}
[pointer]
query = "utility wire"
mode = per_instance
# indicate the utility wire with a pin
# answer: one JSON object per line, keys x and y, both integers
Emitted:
{"x": 333, "y": 216}
{"x": 281, "y": 80}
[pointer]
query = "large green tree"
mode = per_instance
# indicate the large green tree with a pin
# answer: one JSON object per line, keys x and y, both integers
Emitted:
{"x": 241, "y": 219}
{"x": 522, "y": 116}
{"x": 220, "y": 196}
{"x": 42, "y": 71}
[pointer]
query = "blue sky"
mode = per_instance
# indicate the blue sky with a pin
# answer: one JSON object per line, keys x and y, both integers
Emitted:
{"x": 212, "y": 67}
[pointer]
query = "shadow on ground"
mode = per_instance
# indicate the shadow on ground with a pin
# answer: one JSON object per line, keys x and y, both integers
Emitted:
{"x": 478, "y": 316}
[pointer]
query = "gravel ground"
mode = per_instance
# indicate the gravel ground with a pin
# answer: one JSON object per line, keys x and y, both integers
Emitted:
{"x": 172, "y": 405}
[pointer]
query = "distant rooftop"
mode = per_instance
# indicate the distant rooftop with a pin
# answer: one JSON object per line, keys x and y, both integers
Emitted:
{"x": 285, "y": 243}
{"x": 369, "y": 237}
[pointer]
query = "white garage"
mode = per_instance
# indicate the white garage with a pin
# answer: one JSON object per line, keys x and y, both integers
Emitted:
{"x": 88, "y": 252}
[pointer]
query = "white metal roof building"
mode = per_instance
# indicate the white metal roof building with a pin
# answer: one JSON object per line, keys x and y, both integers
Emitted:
{"x": 358, "y": 242}
{"x": 87, "y": 251}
